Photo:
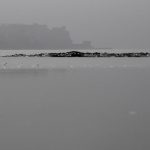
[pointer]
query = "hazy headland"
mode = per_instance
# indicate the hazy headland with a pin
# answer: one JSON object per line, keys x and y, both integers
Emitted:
{"x": 37, "y": 36}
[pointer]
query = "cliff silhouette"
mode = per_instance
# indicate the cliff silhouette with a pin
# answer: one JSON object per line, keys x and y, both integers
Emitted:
{"x": 36, "y": 36}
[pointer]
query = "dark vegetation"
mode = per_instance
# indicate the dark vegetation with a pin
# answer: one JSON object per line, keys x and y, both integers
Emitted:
{"x": 82, "y": 54}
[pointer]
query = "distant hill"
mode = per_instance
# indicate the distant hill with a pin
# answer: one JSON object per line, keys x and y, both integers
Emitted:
{"x": 36, "y": 36}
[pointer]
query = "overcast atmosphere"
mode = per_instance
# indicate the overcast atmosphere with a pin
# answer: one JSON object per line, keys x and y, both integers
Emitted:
{"x": 62, "y": 87}
{"x": 107, "y": 23}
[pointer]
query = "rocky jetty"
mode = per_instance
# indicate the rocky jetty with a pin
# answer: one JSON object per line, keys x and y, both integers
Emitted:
{"x": 82, "y": 54}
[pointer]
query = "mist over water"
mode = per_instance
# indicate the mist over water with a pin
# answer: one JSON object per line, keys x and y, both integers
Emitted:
{"x": 77, "y": 107}
{"x": 74, "y": 103}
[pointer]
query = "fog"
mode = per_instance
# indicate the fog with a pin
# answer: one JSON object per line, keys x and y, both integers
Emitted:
{"x": 107, "y": 23}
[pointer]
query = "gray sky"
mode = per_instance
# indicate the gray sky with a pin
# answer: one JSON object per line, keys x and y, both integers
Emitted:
{"x": 107, "y": 23}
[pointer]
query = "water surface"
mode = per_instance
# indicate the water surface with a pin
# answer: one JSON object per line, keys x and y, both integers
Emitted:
{"x": 75, "y": 104}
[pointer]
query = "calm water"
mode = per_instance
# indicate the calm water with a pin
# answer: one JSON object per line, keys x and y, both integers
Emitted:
{"x": 75, "y": 104}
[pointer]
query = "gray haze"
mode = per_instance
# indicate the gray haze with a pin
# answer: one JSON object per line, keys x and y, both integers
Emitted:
{"x": 107, "y": 23}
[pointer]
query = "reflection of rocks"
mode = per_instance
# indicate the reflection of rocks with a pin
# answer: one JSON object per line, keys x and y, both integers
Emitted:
{"x": 82, "y": 54}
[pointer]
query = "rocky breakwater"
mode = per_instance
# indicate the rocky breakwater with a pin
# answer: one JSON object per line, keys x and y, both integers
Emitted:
{"x": 82, "y": 54}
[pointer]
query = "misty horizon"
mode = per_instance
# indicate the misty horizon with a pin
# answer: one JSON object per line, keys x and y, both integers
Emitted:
{"x": 74, "y": 75}
{"x": 106, "y": 23}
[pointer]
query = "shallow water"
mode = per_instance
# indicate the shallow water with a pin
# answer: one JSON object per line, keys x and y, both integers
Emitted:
{"x": 75, "y": 104}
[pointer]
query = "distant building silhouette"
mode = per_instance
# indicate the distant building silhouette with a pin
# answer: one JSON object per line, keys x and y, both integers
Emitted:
{"x": 36, "y": 36}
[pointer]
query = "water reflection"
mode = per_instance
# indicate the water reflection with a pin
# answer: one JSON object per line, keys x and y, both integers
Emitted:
{"x": 33, "y": 71}
{"x": 60, "y": 69}
{"x": 16, "y": 72}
